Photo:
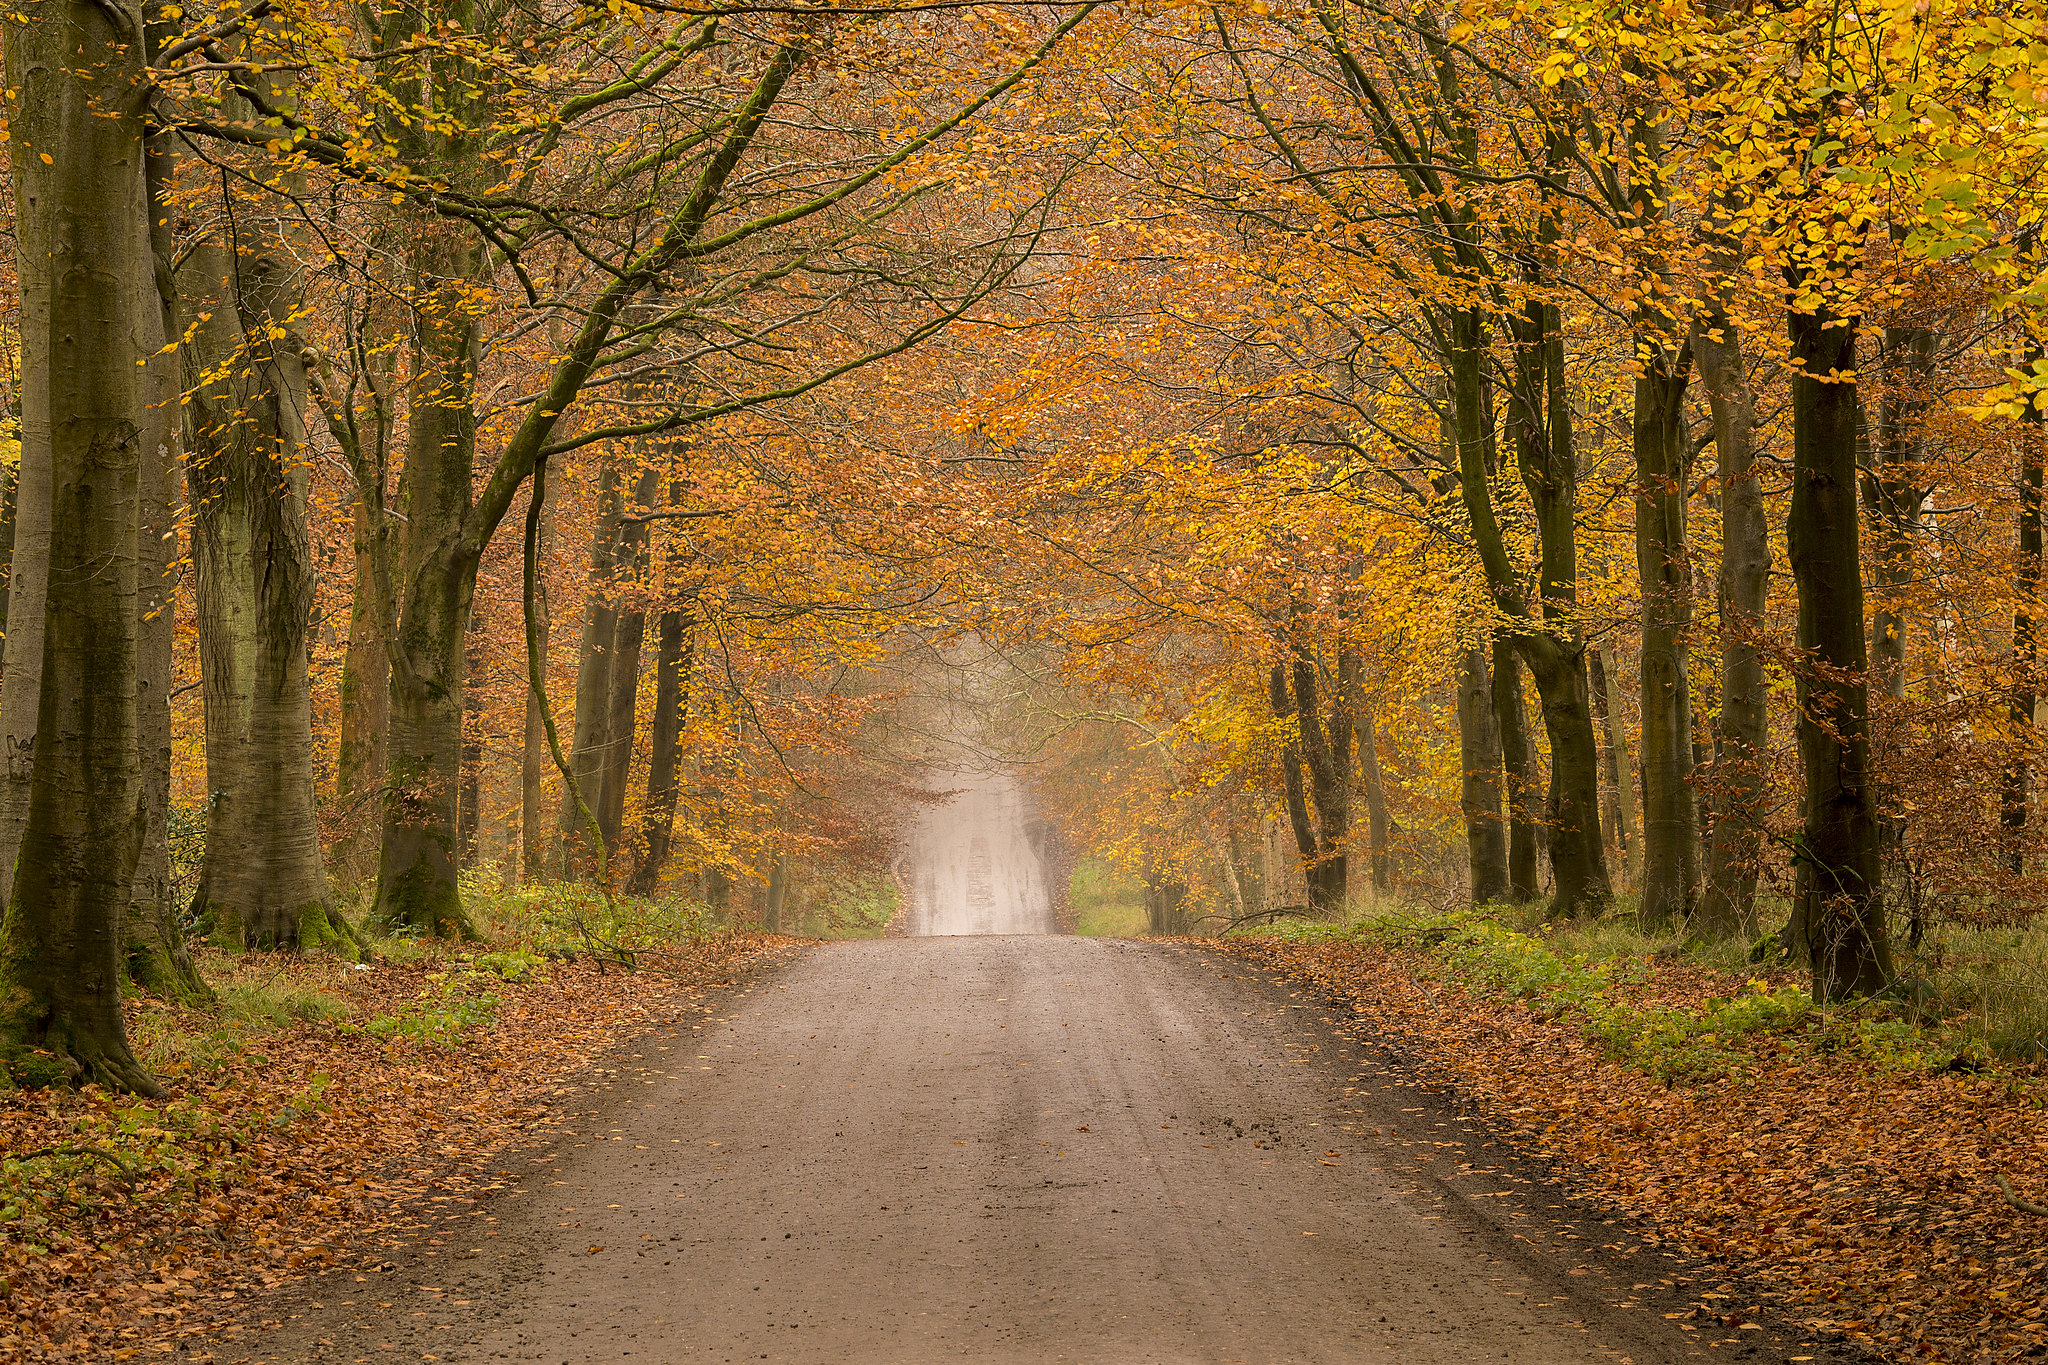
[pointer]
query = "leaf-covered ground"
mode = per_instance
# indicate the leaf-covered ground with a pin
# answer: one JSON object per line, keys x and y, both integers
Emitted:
{"x": 313, "y": 1112}
{"x": 1847, "y": 1176}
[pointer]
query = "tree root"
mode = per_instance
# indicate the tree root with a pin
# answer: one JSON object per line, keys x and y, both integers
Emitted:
{"x": 2005, "y": 1188}
{"x": 127, "y": 1171}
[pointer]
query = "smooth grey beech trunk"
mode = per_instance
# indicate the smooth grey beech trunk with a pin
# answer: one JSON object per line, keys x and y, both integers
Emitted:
{"x": 592, "y": 726}
{"x": 629, "y": 633}
{"x": 435, "y": 587}
{"x": 360, "y": 758}
{"x": 75, "y": 74}
{"x": 1480, "y": 791}
{"x": 1734, "y": 858}
{"x": 264, "y": 882}
{"x": 1547, "y": 636}
{"x": 153, "y": 949}
{"x": 1323, "y": 747}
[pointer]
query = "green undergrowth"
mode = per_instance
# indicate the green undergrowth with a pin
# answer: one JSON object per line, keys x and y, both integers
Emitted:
{"x": 181, "y": 1153}
{"x": 444, "y": 1015}
{"x": 1106, "y": 903}
{"x": 1602, "y": 975}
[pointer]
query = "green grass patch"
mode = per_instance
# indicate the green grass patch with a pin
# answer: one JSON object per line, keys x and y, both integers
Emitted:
{"x": 1602, "y": 975}
{"x": 1106, "y": 903}
{"x": 443, "y": 1018}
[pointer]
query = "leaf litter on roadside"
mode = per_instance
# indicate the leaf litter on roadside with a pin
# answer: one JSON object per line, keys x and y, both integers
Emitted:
{"x": 1863, "y": 1193}
{"x": 131, "y": 1229}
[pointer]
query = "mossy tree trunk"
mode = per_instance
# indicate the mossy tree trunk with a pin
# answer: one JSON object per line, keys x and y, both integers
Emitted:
{"x": 264, "y": 882}
{"x": 153, "y": 948}
{"x": 75, "y": 75}
{"x": 417, "y": 866}
{"x": 534, "y": 760}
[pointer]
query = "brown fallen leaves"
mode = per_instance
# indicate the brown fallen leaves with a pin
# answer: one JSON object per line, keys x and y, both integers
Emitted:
{"x": 285, "y": 1148}
{"x": 1866, "y": 1194}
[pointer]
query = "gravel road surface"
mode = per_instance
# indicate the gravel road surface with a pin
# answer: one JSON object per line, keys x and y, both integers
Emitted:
{"x": 1009, "y": 1149}
{"x": 973, "y": 869}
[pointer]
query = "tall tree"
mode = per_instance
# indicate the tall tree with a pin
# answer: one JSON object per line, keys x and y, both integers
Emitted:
{"x": 90, "y": 321}
{"x": 1838, "y": 914}
{"x": 264, "y": 880}
{"x": 1480, "y": 789}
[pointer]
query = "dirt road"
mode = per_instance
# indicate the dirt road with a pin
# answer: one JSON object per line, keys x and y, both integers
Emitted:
{"x": 973, "y": 870}
{"x": 1007, "y": 1150}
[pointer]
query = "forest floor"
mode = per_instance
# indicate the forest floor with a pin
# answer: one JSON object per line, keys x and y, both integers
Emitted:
{"x": 1848, "y": 1161}
{"x": 315, "y": 1111}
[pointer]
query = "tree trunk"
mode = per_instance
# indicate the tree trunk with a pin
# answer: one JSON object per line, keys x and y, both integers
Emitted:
{"x": 89, "y": 323}
{"x": 1546, "y": 456}
{"x": 365, "y": 709}
{"x": 263, "y": 883}
{"x": 1480, "y": 797}
{"x": 153, "y": 947}
{"x": 1838, "y": 912}
{"x": 673, "y": 662}
{"x": 2026, "y": 657}
{"x": 1327, "y": 755}
{"x": 1664, "y": 570}
{"x": 1378, "y": 825}
{"x": 1620, "y": 771}
{"x": 1734, "y": 859}
{"x": 469, "y": 801}
{"x": 629, "y": 631}
{"x": 1518, "y": 765}
{"x": 778, "y": 889}
{"x": 534, "y": 760}
{"x": 416, "y": 874}
{"x": 594, "y": 658}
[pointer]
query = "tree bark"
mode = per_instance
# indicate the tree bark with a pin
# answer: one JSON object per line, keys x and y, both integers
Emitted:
{"x": 629, "y": 632}
{"x": 1838, "y": 912}
{"x": 77, "y": 90}
{"x": 153, "y": 949}
{"x": 469, "y": 801}
{"x": 263, "y": 883}
{"x": 361, "y": 762}
{"x": 1741, "y": 737}
{"x": 1548, "y": 639}
{"x": 1326, "y": 753}
{"x": 594, "y": 657}
{"x": 534, "y": 761}
{"x": 1480, "y": 793}
{"x": 365, "y": 710}
{"x": 416, "y": 874}
{"x": 1670, "y": 880}
{"x": 2026, "y": 650}
{"x": 1518, "y": 767}
{"x": 778, "y": 891}
{"x": 673, "y": 664}
{"x": 1379, "y": 831}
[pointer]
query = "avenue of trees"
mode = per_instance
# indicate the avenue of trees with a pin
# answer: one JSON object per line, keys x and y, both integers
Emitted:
{"x": 1513, "y": 451}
